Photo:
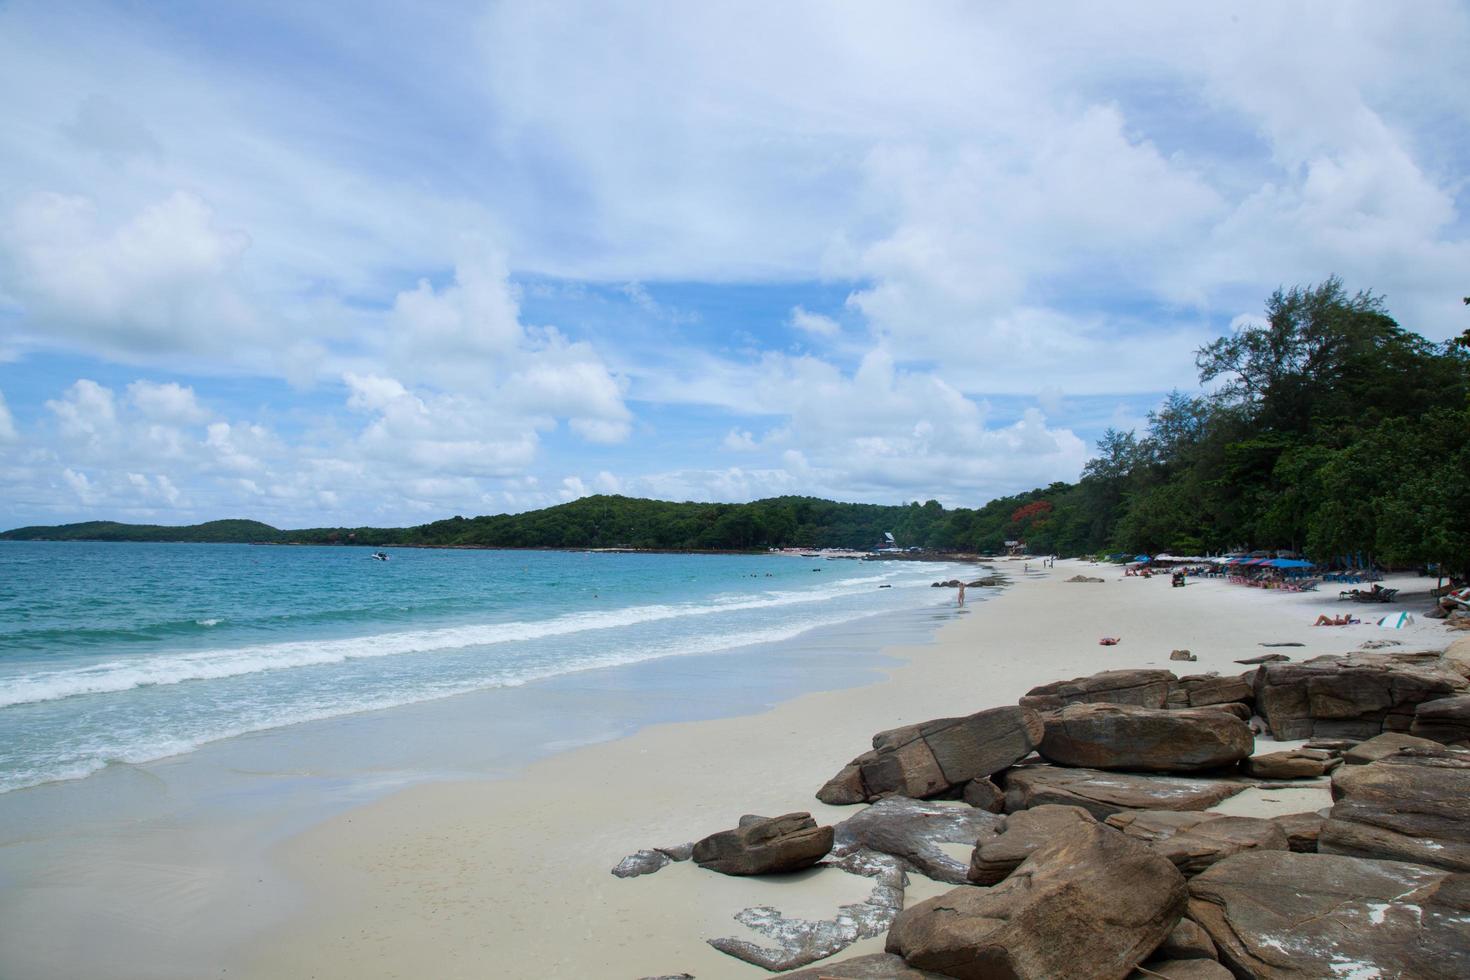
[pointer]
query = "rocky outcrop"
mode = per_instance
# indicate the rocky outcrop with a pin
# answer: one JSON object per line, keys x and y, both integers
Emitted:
{"x": 1300, "y": 916}
{"x": 1292, "y": 764}
{"x": 651, "y": 859}
{"x": 802, "y": 941}
{"x": 1413, "y": 806}
{"x": 1091, "y": 905}
{"x": 1445, "y": 720}
{"x": 877, "y": 966}
{"x": 931, "y": 758}
{"x": 1020, "y": 836}
{"x": 1111, "y": 736}
{"x": 765, "y": 845}
{"x": 1301, "y": 829}
{"x": 1194, "y": 841}
{"x": 984, "y": 794}
{"x": 1145, "y": 688}
{"x": 1184, "y": 655}
{"x": 1357, "y": 696}
{"x": 916, "y": 832}
{"x": 1383, "y": 746}
{"x": 1199, "y": 690}
{"x": 1084, "y": 578}
{"x": 1105, "y": 793}
{"x": 1188, "y": 941}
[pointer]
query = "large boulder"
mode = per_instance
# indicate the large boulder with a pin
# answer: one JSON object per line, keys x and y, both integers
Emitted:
{"x": 1145, "y": 688}
{"x": 1198, "y": 690}
{"x": 1188, "y": 941}
{"x": 1194, "y": 841}
{"x": 916, "y": 832}
{"x": 1383, "y": 746}
{"x": 1413, "y": 806}
{"x": 1292, "y": 764}
{"x": 1113, "y": 736}
{"x": 1089, "y": 906}
{"x": 765, "y": 845}
{"x": 1308, "y": 916}
{"x": 1445, "y": 720}
{"x": 1301, "y": 829}
{"x": 1356, "y": 696}
{"x": 931, "y": 758}
{"x": 1020, "y": 836}
{"x": 1105, "y": 793}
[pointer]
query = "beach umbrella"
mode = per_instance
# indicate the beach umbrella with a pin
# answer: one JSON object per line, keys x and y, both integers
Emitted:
{"x": 1140, "y": 557}
{"x": 1396, "y": 621}
{"x": 1291, "y": 563}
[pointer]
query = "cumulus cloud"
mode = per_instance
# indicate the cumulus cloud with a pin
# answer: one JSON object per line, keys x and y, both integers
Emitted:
{"x": 814, "y": 323}
{"x": 7, "y": 421}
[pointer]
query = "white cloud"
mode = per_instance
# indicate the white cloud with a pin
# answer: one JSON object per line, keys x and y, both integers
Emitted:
{"x": 167, "y": 402}
{"x": 7, "y": 421}
{"x": 814, "y": 323}
{"x": 740, "y": 441}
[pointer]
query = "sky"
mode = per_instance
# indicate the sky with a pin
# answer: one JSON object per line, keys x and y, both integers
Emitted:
{"x": 380, "y": 263}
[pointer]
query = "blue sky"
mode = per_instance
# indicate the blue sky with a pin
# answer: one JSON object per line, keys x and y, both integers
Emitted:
{"x": 369, "y": 263}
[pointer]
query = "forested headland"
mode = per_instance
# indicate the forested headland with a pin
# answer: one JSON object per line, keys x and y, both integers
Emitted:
{"x": 1329, "y": 430}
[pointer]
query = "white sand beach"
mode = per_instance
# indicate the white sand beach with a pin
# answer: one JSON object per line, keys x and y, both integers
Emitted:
{"x": 511, "y": 878}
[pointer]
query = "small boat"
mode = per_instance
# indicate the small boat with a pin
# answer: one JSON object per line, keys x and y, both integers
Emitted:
{"x": 380, "y": 556}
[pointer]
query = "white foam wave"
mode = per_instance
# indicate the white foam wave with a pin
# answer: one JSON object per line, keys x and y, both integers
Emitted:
{"x": 117, "y": 676}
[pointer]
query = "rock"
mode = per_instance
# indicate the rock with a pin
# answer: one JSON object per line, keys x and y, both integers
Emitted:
{"x": 1359, "y": 695}
{"x": 644, "y": 862}
{"x": 1188, "y": 941}
{"x": 877, "y": 966}
{"x": 983, "y": 793}
{"x": 1146, "y": 688}
{"x": 1334, "y": 745}
{"x": 1195, "y": 969}
{"x": 1277, "y": 916}
{"x": 1444, "y": 720}
{"x": 1267, "y": 658}
{"x": 1105, "y": 793}
{"x": 1379, "y": 644}
{"x": 1236, "y": 708}
{"x": 1382, "y": 746}
{"x": 1194, "y": 841}
{"x": 1019, "y": 837}
{"x": 914, "y": 831}
{"x": 1292, "y": 764}
{"x": 1182, "y": 655}
{"x": 1405, "y": 807}
{"x": 1200, "y": 690}
{"x": 1301, "y": 829}
{"x": 803, "y": 941}
{"x": 671, "y": 976}
{"x": 1111, "y": 736}
{"x": 1090, "y": 905}
{"x": 931, "y": 758}
{"x": 765, "y": 845}
{"x": 1083, "y": 578}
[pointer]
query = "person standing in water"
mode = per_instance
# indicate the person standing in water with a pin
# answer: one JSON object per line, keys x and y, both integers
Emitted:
{"x": 961, "y": 600}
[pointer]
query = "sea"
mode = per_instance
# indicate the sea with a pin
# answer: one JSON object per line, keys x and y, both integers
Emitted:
{"x": 121, "y": 654}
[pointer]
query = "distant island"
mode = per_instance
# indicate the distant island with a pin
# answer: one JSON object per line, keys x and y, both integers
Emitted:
{"x": 1329, "y": 430}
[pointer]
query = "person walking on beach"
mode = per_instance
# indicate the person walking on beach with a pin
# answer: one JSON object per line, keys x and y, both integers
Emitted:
{"x": 961, "y": 600}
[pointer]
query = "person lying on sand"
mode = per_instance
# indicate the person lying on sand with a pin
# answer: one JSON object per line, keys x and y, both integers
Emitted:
{"x": 1110, "y": 641}
{"x": 1326, "y": 620}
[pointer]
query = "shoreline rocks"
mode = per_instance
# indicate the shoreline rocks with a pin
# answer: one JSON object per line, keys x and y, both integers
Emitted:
{"x": 1113, "y": 736}
{"x": 765, "y": 845}
{"x": 1105, "y": 793}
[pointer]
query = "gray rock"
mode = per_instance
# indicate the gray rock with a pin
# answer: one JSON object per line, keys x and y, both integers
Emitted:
{"x": 984, "y": 794}
{"x": 1113, "y": 736}
{"x": 649, "y": 860}
{"x": 1301, "y": 830}
{"x": 1105, "y": 793}
{"x": 913, "y": 830}
{"x": 1275, "y": 916}
{"x": 1357, "y": 696}
{"x": 1188, "y": 941}
{"x": 1194, "y": 841}
{"x": 1201, "y": 690}
{"x": 765, "y": 845}
{"x": 1090, "y": 906}
{"x": 1269, "y": 658}
{"x": 931, "y": 758}
{"x": 1292, "y": 764}
{"x": 803, "y": 941}
{"x": 1182, "y": 655}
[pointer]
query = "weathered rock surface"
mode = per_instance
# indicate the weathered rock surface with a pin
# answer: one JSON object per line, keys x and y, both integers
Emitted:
{"x": 983, "y": 793}
{"x": 651, "y": 859}
{"x": 1091, "y": 905}
{"x": 1105, "y": 793}
{"x": 1301, "y": 829}
{"x": 1269, "y": 658}
{"x": 1020, "y": 836}
{"x": 1195, "y": 969}
{"x": 803, "y": 941}
{"x": 914, "y": 831}
{"x": 877, "y": 966}
{"x": 1444, "y": 720}
{"x": 931, "y": 758}
{"x": 765, "y": 845}
{"x": 1112, "y": 736}
{"x": 1084, "y": 578}
{"x": 1182, "y": 655}
{"x": 1292, "y": 764}
{"x": 1146, "y": 688}
{"x": 1188, "y": 941}
{"x": 1382, "y": 746}
{"x": 1199, "y": 690}
{"x": 1407, "y": 807}
{"x": 1300, "y": 916}
{"x": 1358, "y": 696}
{"x": 1194, "y": 841}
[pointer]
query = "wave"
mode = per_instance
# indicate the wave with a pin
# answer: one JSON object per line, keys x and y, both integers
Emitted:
{"x": 117, "y": 676}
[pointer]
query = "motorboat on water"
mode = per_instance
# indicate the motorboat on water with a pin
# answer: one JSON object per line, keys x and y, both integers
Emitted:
{"x": 380, "y": 556}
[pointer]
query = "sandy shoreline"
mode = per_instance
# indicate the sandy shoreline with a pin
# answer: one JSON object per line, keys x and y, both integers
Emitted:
{"x": 511, "y": 878}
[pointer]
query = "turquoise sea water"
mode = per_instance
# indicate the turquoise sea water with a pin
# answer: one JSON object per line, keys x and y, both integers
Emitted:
{"x": 135, "y": 652}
